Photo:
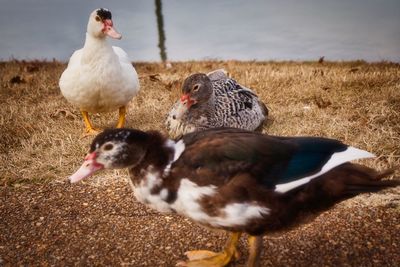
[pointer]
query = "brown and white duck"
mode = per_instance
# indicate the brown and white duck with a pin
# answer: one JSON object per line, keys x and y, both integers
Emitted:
{"x": 236, "y": 180}
{"x": 214, "y": 100}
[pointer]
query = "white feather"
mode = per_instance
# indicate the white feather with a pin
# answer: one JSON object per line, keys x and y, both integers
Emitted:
{"x": 187, "y": 202}
{"x": 338, "y": 158}
{"x": 143, "y": 193}
{"x": 234, "y": 214}
{"x": 99, "y": 77}
{"x": 178, "y": 148}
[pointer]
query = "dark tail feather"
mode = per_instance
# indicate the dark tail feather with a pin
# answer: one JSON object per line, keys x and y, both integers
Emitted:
{"x": 384, "y": 174}
{"x": 342, "y": 182}
{"x": 361, "y": 179}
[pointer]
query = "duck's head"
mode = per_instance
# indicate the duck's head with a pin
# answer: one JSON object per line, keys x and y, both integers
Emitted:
{"x": 196, "y": 89}
{"x": 113, "y": 149}
{"x": 100, "y": 24}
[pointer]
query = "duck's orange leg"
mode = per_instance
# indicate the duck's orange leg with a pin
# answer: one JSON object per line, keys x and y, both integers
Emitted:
{"x": 205, "y": 258}
{"x": 89, "y": 130}
{"x": 255, "y": 247}
{"x": 122, "y": 117}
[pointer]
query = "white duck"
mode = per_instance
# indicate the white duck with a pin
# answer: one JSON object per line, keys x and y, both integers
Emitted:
{"x": 99, "y": 77}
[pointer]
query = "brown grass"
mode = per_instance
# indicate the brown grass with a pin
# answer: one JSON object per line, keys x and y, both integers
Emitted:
{"x": 356, "y": 102}
{"x": 94, "y": 224}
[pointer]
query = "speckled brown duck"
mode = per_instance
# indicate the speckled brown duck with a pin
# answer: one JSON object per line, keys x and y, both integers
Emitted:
{"x": 235, "y": 180}
{"x": 214, "y": 100}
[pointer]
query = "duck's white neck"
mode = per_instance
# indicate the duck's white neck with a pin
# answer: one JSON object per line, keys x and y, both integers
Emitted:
{"x": 96, "y": 48}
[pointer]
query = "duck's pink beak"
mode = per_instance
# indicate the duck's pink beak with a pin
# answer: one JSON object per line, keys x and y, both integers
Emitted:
{"x": 185, "y": 99}
{"x": 110, "y": 30}
{"x": 88, "y": 167}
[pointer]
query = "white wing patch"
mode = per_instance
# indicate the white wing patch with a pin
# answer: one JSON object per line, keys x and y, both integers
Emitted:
{"x": 142, "y": 192}
{"x": 178, "y": 148}
{"x": 187, "y": 199}
{"x": 240, "y": 213}
{"x": 234, "y": 214}
{"x": 351, "y": 153}
{"x": 187, "y": 203}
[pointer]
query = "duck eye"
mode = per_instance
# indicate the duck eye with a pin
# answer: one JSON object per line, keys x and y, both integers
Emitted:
{"x": 98, "y": 18}
{"x": 108, "y": 147}
{"x": 196, "y": 88}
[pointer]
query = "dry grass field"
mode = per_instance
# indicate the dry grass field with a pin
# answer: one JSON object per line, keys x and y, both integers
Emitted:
{"x": 45, "y": 221}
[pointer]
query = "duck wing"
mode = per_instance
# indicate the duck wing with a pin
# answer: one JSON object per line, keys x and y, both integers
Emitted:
{"x": 71, "y": 74}
{"x": 75, "y": 59}
{"x": 234, "y": 97}
{"x": 219, "y": 74}
{"x": 122, "y": 55}
{"x": 130, "y": 77}
{"x": 277, "y": 163}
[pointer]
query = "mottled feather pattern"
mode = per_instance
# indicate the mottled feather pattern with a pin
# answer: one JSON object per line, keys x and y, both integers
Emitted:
{"x": 233, "y": 106}
{"x": 237, "y": 106}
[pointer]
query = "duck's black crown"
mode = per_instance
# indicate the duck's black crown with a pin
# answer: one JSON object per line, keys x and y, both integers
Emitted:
{"x": 104, "y": 13}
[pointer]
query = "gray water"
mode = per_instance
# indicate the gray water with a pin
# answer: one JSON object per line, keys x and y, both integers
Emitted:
{"x": 211, "y": 29}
